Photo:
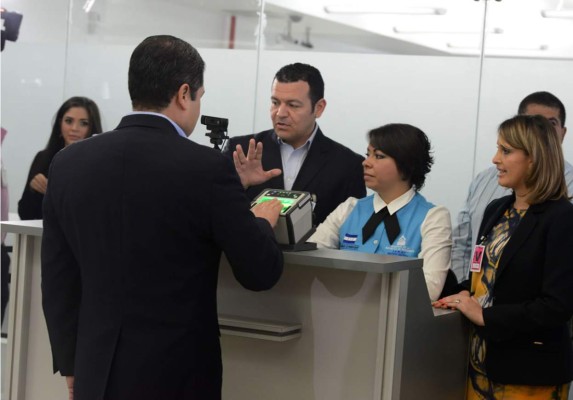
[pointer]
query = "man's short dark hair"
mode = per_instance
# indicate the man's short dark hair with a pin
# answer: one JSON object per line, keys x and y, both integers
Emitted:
{"x": 158, "y": 67}
{"x": 408, "y": 146}
{"x": 545, "y": 99}
{"x": 303, "y": 72}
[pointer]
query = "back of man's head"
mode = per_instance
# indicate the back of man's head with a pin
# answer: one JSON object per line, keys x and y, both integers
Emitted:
{"x": 545, "y": 99}
{"x": 158, "y": 67}
{"x": 303, "y": 72}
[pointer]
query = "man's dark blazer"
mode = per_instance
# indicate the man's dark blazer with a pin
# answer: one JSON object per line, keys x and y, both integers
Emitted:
{"x": 330, "y": 171}
{"x": 135, "y": 221}
{"x": 526, "y": 328}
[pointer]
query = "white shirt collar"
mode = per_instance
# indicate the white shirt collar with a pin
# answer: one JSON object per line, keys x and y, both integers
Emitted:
{"x": 308, "y": 142}
{"x": 177, "y": 127}
{"x": 394, "y": 205}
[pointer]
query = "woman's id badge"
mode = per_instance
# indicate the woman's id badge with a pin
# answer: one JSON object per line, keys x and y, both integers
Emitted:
{"x": 477, "y": 258}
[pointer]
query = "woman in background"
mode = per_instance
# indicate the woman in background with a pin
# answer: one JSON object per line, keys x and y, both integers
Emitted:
{"x": 520, "y": 293}
{"x": 78, "y": 118}
{"x": 396, "y": 219}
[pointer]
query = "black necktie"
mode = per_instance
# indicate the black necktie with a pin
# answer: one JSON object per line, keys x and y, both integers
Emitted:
{"x": 390, "y": 222}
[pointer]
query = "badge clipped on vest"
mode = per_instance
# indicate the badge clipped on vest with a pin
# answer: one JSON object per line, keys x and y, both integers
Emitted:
{"x": 477, "y": 258}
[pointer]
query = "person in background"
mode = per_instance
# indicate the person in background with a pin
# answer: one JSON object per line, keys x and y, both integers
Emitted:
{"x": 309, "y": 160}
{"x": 135, "y": 221}
{"x": 78, "y": 118}
{"x": 396, "y": 219}
{"x": 485, "y": 188}
{"x": 519, "y": 295}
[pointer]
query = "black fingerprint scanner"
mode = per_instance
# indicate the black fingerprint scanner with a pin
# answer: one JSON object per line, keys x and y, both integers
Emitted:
{"x": 295, "y": 220}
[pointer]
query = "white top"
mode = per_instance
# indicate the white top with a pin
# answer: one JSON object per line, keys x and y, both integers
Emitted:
{"x": 436, "y": 236}
{"x": 292, "y": 159}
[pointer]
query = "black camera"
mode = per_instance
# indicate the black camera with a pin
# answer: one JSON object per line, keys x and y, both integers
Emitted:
{"x": 215, "y": 122}
{"x": 11, "y": 22}
{"x": 218, "y": 129}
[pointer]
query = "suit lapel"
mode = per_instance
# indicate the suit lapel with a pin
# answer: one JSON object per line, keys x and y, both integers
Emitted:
{"x": 315, "y": 159}
{"x": 521, "y": 233}
{"x": 272, "y": 159}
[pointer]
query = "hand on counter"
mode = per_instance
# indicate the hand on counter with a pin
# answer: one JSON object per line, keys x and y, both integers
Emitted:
{"x": 466, "y": 304}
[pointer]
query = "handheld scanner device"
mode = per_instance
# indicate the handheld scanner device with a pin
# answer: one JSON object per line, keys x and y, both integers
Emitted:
{"x": 295, "y": 219}
{"x": 290, "y": 199}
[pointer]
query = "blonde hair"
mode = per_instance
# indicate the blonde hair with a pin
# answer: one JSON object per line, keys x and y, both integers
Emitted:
{"x": 538, "y": 139}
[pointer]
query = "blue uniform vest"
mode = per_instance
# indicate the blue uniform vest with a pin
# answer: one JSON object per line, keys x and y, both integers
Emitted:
{"x": 409, "y": 241}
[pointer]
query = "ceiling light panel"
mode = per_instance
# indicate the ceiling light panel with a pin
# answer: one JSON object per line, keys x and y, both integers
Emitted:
{"x": 357, "y": 9}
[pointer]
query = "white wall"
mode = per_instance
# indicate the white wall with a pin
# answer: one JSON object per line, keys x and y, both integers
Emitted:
{"x": 505, "y": 83}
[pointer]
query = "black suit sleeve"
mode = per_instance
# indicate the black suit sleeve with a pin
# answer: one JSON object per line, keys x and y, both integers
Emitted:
{"x": 61, "y": 291}
{"x": 30, "y": 205}
{"x": 342, "y": 177}
{"x": 248, "y": 242}
{"x": 554, "y": 304}
{"x": 356, "y": 186}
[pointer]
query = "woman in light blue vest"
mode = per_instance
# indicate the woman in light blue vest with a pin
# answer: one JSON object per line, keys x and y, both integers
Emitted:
{"x": 396, "y": 219}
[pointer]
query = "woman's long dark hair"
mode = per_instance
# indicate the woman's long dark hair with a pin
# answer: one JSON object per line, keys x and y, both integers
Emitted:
{"x": 56, "y": 141}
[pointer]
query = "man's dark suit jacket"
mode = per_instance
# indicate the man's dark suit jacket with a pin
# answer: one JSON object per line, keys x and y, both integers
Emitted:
{"x": 526, "y": 328}
{"x": 330, "y": 171}
{"x": 134, "y": 224}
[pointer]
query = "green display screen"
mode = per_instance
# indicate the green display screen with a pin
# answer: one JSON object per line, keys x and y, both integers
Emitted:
{"x": 287, "y": 203}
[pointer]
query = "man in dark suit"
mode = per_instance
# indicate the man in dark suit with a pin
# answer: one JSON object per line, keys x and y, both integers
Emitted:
{"x": 134, "y": 224}
{"x": 309, "y": 160}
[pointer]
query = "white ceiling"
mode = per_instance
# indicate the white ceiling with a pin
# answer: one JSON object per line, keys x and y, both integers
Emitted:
{"x": 514, "y": 27}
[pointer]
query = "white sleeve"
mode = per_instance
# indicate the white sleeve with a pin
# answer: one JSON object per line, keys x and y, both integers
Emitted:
{"x": 462, "y": 238}
{"x": 436, "y": 249}
{"x": 327, "y": 233}
{"x": 569, "y": 178}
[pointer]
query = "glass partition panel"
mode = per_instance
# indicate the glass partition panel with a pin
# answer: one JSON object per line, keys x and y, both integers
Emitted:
{"x": 397, "y": 61}
{"x": 534, "y": 53}
{"x": 32, "y": 85}
{"x": 385, "y": 62}
{"x": 82, "y": 47}
{"x": 226, "y": 34}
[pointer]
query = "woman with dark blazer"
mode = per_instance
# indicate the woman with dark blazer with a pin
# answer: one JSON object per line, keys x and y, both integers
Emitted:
{"x": 519, "y": 295}
{"x": 78, "y": 118}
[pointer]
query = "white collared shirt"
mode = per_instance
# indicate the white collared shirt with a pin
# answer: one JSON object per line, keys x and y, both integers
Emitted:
{"x": 292, "y": 159}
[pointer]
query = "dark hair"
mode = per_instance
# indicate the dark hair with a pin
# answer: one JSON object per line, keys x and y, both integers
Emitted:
{"x": 303, "y": 72}
{"x": 56, "y": 141}
{"x": 158, "y": 67}
{"x": 408, "y": 146}
{"x": 545, "y": 99}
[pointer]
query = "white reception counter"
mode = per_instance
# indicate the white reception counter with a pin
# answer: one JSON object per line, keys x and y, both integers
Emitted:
{"x": 338, "y": 326}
